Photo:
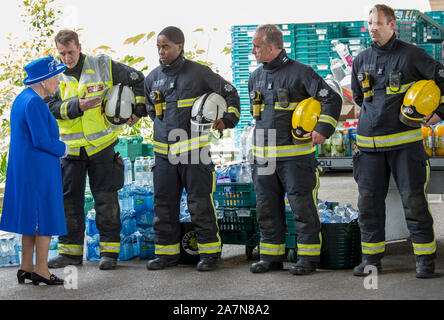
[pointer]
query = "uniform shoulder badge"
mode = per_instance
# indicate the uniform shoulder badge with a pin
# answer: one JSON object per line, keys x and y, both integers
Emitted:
{"x": 441, "y": 73}
{"x": 228, "y": 87}
{"x": 134, "y": 75}
{"x": 323, "y": 93}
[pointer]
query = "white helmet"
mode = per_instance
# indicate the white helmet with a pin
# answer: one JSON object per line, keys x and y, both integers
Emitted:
{"x": 207, "y": 108}
{"x": 119, "y": 104}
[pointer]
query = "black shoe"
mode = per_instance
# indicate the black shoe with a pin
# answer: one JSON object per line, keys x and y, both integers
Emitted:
{"x": 22, "y": 275}
{"x": 359, "y": 270}
{"x": 265, "y": 266}
{"x": 62, "y": 261}
{"x": 107, "y": 263}
{"x": 303, "y": 267}
{"x": 425, "y": 269}
{"x": 53, "y": 280}
{"x": 208, "y": 264}
{"x": 161, "y": 263}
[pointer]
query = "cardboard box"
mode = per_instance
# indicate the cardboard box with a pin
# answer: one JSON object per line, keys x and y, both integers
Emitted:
{"x": 349, "y": 111}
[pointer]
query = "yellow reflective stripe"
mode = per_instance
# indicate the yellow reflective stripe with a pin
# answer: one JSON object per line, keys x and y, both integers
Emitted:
{"x": 327, "y": 119}
{"x": 424, "y": 248}
{"x": 191, "y": 144}
{"x": 272, "y": 249}
{"x": 109, "y": 247}
{"x": 283, "y": 151}
{"x": 403, "y": 88}
{"x": 186, "y": 102}
{"x": 291, "y": 106}
{"x": 140, "y": 99}
{"x": 210, "y": 247}
{"x": 160, "y": 147}
{"x": 309, "y": 249}
{"x": 390, "y": 140}
{"x": 167, "y": 250}
{"x": 70, "y": 249}
{"x": 234, "y": 110}
{"x": 63, "y": 110}
{"x": 373, "y": 248}
{"x": 442, "y": 99}
{"x": 74, "y": 151}
{"x": 90, "y": 71}
{"x": 90, "y": 149}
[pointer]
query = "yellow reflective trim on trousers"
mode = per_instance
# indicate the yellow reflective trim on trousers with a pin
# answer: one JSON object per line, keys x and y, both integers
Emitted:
{"x": 283, "y": 151}
{"x": 424, "y": 248}
{"x": 234, "y": 110}
{"x": 291, "y": 106}
{"x": 70, "y": 249}
{"x": 272, "y": 249}
{"x": 390, "y": 140}
{"x": 109, "y": 247}
{"x": 186, "y": 102}
{"x": 210, "y": 247}
{"x": 373, "y": 248}
{"x": 214, "y": 208}
{"x": 442, "y": 99}
{"x": 309, "y": 249}
{"x": 167, "y": 250}
{"x": 327, "y": 119}
{"x": 403, "y": 88}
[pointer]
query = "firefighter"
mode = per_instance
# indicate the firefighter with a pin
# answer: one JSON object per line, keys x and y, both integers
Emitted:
{"x": 277, "y": 89}
{"x": 182, "y": 155}
{"x": 390, "y": 140}
{"x": 91, "y": 139}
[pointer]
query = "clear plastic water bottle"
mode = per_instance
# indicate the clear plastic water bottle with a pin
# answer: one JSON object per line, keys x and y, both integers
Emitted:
{"x": 128, "y": 171}
{"x": 339, "y": 214}
{"x": 352, "y": 213}
{"x": 147, "y": 244}
{"x": 139, "y": 171}
{"x": 343, "y": 53}
{"x": 93, "y": 248}
{"x": 245, "y": 173}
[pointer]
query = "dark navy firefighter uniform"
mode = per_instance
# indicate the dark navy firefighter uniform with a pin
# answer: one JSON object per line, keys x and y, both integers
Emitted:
{"x": 178, "y": 158}
{"x": 387, "y": 146}
{"x": 296, "y": 167}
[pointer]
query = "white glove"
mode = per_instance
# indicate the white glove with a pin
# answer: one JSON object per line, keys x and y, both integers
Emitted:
{"x": 66, "y": 151}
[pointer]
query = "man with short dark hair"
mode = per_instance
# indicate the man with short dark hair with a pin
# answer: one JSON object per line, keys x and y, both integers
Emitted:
{"x": 91, "y": 141}
{"x": 381, "y": 76}
{"x": 171, "y": 90}
{"x": 277, "y": 88}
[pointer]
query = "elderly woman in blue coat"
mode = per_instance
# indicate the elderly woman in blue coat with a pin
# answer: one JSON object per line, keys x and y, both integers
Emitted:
{"x": 33, "y": 201}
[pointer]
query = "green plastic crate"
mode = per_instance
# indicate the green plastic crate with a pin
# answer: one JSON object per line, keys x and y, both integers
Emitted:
{"x": 341, "y": 245}
{"x": 147, "y": 150}
{"x": 130, "y": 147}
{"x": 238, "y": 220}
{"x": 89, "y": 202}
{"x": 235, "y": 195}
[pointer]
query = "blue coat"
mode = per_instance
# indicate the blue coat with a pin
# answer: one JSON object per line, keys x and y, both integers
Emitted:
{"x": 33, "y": 191}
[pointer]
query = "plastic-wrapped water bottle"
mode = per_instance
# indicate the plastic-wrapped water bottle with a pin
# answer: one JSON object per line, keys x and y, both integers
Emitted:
{"x": 128, "y": 171}
{"x": 91, "y": 227}
{"x": 138, "y": 171}
{"x": 245, "y": 173}
{"x": 135, "y": 238}
{"x": 93, "y": 248}
{"x": 147, "y": 246}
{"x": 126, "y": 248}
{"x": 352, "y": 213}
{"x": 249, "y": 143}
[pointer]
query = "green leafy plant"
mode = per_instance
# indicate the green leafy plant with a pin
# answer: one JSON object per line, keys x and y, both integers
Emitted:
{"x": 3, "y": 166}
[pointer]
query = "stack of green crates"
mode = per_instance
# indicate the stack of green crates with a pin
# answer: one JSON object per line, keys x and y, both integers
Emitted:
{"x": 237, "y": 203}
{"x": 413, "y": 26}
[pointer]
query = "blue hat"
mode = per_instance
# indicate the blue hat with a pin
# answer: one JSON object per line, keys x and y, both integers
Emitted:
{"x": 42, "y": 69}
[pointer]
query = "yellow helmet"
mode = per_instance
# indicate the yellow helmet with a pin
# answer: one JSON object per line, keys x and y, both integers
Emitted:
{"x": 304, "y": 119}
{"x": 420, "y": 100}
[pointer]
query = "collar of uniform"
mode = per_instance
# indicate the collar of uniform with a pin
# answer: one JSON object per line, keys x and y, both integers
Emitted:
{"x": 172, "y": 69}
{"x": 77, "y": 70}
{"x": 387, "y": 47}
{"x": 279, "y": 61}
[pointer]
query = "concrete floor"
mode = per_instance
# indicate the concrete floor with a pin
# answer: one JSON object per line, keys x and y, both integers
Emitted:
{"x": 131, "y": 280}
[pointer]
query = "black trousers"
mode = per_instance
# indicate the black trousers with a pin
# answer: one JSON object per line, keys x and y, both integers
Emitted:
{"x": 105, "y": 172}
{"x": 299, "y": 178}
{"x": 199, "y": 181}
{"x": 411, "y": 171}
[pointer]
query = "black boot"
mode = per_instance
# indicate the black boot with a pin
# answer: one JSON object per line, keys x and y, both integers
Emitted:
{"x": 265, "y": 266}
{"x": 62, "y": 261}
{"x": 425, "y": 269}
{"x": 107, "y": 263}
{"x": 303, "y": 267}
{"x": 359, "y": 270}
{"x": 161, "y": 263}
{"x": 208, "y": 264}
